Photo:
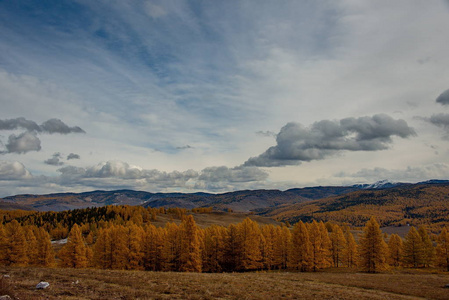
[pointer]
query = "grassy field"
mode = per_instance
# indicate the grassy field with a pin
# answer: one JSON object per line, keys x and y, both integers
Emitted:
{"x": 332, "y": 284}
{"x": 215, "y": 218}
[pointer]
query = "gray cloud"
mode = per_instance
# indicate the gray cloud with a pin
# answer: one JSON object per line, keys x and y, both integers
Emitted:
{"x": 440, "y": 120}
{"x": 266, "y": 133}
{"x": 25, "y": 142}
{"x": 57, "y": 126}
{"x": 49, "y": 126}
{"x": 13, "y": 170}
{"x": 443, "y": 99}
{"x": 55, "y": 160}
{"x": 73, "y": 156}
{"x": 296, "y": 143}
{"x": 19, "y": 123}
{"x": 184, "y": 147}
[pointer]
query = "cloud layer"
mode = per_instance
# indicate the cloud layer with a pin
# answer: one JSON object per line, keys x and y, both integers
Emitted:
{"x": 122, "y": 175}
{"x": 296, "y": 143}
{"x": 209, "y": 178}
{"x": 409, "y": 174}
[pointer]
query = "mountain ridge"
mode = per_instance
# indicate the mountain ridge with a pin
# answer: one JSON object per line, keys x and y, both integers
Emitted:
{"x": 239, "y": 201}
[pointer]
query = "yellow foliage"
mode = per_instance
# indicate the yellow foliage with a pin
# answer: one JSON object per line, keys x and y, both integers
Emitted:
{"x": 373, "y": 250}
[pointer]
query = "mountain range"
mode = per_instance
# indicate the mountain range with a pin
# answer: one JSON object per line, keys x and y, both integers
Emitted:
{"x": 259, "y": 201}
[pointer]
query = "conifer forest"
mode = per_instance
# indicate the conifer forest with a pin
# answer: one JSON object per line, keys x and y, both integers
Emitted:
{"x": 125, "y": 238}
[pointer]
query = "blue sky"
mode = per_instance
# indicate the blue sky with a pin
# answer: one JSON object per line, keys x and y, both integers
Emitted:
{"x": 221, "y": 95}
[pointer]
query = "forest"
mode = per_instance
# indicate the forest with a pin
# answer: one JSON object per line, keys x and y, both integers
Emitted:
{"x": 125, "y": 238}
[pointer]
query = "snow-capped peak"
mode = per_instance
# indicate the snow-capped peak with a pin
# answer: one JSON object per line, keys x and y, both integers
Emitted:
{"x": 382, "y": 184}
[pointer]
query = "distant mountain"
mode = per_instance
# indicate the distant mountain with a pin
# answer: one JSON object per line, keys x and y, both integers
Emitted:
{"x": 259, "y": 201}
{"x": 379, "y": 185}
{"x": 415, "y": 204}
{"x": 243, "y": 201}
{"x": 434, "y": 181}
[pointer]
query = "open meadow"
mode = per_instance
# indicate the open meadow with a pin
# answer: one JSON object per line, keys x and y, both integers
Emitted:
{"x": 329, "y": 284}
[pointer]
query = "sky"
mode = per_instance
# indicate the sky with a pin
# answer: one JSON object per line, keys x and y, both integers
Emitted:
{"x": 218, "y": 96}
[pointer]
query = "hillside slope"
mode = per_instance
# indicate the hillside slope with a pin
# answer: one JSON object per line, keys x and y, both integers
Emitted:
{"x": 13, "y": 206}
{"x": 401, "y": 205}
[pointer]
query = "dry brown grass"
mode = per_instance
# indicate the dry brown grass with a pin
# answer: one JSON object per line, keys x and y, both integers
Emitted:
{"x": 332, "y": 284}
{"x": 215, "y": 218}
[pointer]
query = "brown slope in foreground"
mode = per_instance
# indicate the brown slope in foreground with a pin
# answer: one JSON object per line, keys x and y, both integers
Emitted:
{"x": 410, "y": 204}
{"x": 112, "y": 284}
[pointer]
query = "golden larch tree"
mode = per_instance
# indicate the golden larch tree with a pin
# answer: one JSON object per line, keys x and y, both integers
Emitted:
{"x": 281, "y": 247}
{"x": 442, "y": 250}
{"x": 267, "y": 246}
{"x": 338, "y": 245}
{"x": 75, "y": 253}
{"x": 3, "y": 245}
{"x": 102, "y": 249}
{"x": 190, "y": 257}
{"x": 395, "y": 250}
{"x": 46, "y": 257}
{"x": 214, "y": 248}
{"x": 373, "y": 250}
{"x": 350, "y": 253}
{"x": 172, "y": 247}
{"x": 428, "y": 253}
{"x": 119, "y": 247}
{"x": 249, "y": 236}
{"x": 16, "y": 251}
{"x": 326, "y": 242}
{"x": 153, "y": 248}
{"x": 32, "y": 249}
{"x": 133, "y": 237}
{"x": 320, "y": 245}
{"x": 300, "y": 254}
{"x": 413, "y": 248}
{"x": 233, "y": 249}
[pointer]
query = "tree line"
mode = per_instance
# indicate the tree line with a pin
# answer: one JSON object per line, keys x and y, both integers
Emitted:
{"x": 237, "y": 247}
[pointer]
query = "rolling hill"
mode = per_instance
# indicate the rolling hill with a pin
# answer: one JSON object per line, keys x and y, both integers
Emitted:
{"x": 240, "y": 201}
{"x": 413, "y": 204}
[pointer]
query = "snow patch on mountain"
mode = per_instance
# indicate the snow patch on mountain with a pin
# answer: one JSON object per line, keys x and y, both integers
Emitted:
{"x": 378, "y": 185}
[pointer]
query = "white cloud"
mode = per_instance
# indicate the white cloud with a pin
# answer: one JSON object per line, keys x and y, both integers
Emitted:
{"x": 13, "y": 170}
{"x": 296, "y": 143}
{"x": 23, "y": 143}
{"x": 119, "y": 174}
